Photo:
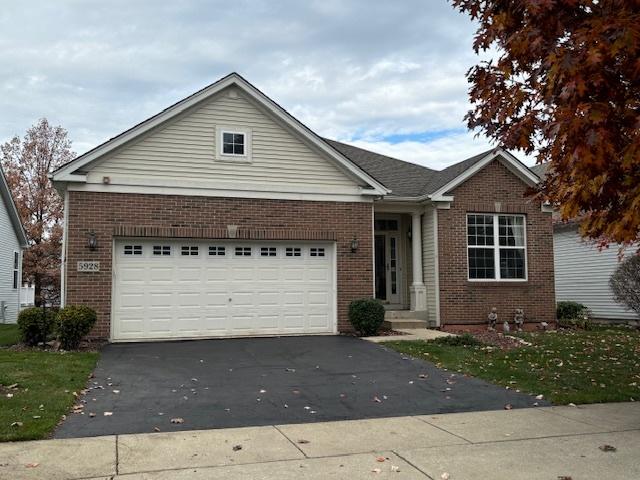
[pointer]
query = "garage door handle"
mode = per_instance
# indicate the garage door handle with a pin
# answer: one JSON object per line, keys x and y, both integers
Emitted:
{"x": 229, "y": 299}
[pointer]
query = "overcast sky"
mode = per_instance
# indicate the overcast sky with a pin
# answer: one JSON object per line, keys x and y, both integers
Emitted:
{"x": 388, "y": 76}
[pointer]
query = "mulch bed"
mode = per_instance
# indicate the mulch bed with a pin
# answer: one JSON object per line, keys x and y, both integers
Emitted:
{"x": 496, "y": 339}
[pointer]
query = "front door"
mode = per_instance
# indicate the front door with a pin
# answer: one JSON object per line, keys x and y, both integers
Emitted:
{"x": 387, "y": 267}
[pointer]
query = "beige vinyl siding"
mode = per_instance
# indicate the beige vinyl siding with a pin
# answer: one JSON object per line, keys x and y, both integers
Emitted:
{"x": 582, "y": 275}
{"x": 429, "y": 263}
{"x": 182, "y": 154}
{"x": 8, "y": 245}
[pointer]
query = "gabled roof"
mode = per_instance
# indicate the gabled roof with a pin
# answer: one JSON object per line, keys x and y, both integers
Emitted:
{"x": 72, "y": 171}
{"x": 404, "y": 179}
{"x": 7, "y": 200}
{"x": 541, "y": 170}
{"x": 407, "y": 179}
{"x": 382, "y": 175}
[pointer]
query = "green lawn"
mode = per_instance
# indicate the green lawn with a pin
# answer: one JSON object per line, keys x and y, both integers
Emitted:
{"x": 46, "y": 382}
{"x": 9, "y": 334}
{"x": 566, "y": 367}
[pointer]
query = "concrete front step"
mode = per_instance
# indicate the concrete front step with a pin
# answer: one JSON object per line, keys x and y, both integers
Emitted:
{"x": 405, "y": 314}
{"x": 397, "y": 323}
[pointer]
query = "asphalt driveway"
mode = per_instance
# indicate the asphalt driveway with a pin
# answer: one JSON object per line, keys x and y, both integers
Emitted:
{"x": 268, "y": 381}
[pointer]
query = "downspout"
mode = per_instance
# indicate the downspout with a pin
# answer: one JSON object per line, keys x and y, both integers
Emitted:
{"x": 63, "y": 260}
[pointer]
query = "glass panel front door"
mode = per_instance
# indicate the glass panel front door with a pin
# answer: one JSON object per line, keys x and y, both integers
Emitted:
{"x": 387, "y": 267}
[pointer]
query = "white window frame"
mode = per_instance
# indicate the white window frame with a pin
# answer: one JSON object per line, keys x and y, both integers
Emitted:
{"x": 497, "y": 247}
{"x": 232, "y": 157}
{"x": 16, "y": 270}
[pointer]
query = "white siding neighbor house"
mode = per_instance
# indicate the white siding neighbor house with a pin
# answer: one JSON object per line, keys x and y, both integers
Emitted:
{"x": 12, "y": 242}
{"x": 582, "y": 270}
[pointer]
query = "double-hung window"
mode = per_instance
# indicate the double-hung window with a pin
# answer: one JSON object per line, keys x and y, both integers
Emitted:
{"x": 496, "y": 247}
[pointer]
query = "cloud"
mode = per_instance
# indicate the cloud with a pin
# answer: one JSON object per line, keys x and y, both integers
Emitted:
{"x": 383, "y": 74}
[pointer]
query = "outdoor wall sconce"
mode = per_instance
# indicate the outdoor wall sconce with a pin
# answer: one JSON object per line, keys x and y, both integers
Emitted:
{"x": 354, "y": 245}
{"x": 92, "y": 241}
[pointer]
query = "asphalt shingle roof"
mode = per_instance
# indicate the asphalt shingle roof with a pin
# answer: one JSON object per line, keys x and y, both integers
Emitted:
{"x": 404, "y": 179}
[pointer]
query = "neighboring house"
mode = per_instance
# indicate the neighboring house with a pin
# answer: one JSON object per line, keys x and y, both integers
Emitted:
{"x": 12, "y": 242}
{"x": 582, "y": 270}
{"x": 225, "y": 216}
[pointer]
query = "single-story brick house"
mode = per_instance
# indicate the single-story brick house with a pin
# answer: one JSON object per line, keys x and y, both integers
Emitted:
{"x": 225, "y": 216}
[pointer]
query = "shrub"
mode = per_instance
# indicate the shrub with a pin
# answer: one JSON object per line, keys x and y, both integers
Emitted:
{"x": 464, "y": 340}
{"x": 366, "y": 315}
{"x": 625, "y": 283}
{"x": 582, "y": 321}
{"x": 35, "y": 324}
{"x": 73, "y": 323}
{"x": 569, "y": 310}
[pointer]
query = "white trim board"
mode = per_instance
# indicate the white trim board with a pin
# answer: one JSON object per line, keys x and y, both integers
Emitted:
{"x": 67, "y": 173}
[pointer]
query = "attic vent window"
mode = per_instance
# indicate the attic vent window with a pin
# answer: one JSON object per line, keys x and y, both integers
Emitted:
{"x": 233, "y": 143}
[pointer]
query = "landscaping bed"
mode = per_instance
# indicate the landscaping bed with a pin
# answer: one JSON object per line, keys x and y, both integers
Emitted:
{"x": 566, "y": 366}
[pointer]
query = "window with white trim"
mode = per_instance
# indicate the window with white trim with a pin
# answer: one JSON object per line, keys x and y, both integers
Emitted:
{"x": 233, "y": 143}
{"x": 133, "y": 249}
{"x": 16, "y": 270}
{"x": 316, "y": 252}
{"x": 217, "y": 251}
{"x": 293, "y": 252}
{"x": 189, "y": 250}
{"x": 496, "y": 247}
{"x": 162, "y": 250}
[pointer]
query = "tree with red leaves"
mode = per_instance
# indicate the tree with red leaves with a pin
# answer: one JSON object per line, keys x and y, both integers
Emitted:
{"x": 566, "y": 84}
{"x": 27, "y": 164}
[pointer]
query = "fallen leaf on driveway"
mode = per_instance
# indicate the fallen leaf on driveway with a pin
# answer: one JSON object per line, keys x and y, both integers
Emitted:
{"x": 292, "y": 370}
{"x": 377, "y": 400}
{"x": 395, "y": 468}
{"x": 380, "y": 459}
{"x": 376, "y": 470}
{"x": 301, "y": 441}
{"x": 564, "y": 477}
{"x": 236, "y": 448}
{"x": 423, "y": 375}
{"x": 91, "y": 415}
{"x": 607, "y": 448}
{"x": 108, "y": 414}
{"x": 116, "y": 391}
{"x": 177, "y": 420}
{"x": 445, "y": 476}
{"x": 32, "y": 465}
{"x": 262, "y": 390}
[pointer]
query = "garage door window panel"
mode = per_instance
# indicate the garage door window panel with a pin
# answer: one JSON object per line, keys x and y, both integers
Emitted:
{"x": 215, "y": 251}
{"x": 189, "y": 250}
{"x": 243, "y": 251}
{"x": 132, "y": 250}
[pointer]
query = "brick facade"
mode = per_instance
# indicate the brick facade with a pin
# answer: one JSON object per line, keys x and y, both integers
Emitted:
{"x": 112, "y": 214}
{"x": 463, "y": 303}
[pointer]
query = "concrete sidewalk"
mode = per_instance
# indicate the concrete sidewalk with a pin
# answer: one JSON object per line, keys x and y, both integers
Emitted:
{"x": 544, "y": 443}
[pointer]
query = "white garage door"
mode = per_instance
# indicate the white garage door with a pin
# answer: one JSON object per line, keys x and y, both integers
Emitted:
{"x": 187, "y": 289}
